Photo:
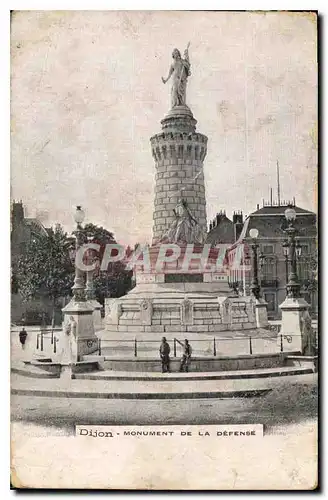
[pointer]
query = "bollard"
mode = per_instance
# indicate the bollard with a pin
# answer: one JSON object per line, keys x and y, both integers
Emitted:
{"x": 214, "y": 347}
{"x": 135, "y": 348}
{"x": 52, "y": 336}
{"x": 250, "y": 346}
{"x": 37, "y": 340}
{"x": 41, "y": 341}
{"x": 54, "y": 340}
{"x": 175, "y": 348}
{"x": 99, "y": 347}
{"x": 281, "y": 344}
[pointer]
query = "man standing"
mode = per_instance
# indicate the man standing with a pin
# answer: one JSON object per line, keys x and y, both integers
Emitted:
{"x": 23, "y": 337}
{"x": 164, "y": 352}
{"x": 186, "y": 356}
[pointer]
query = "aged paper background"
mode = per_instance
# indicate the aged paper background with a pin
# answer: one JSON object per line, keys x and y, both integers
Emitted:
{"x": 72, "y": 127}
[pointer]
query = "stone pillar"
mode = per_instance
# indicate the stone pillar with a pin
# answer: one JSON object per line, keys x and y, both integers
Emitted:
{"x": 261, "y": 313}
{"x": 292, "y": 310}
{"x": 179, "y": 152}
{"x": 83, "y": 339}
{"x": 91, "y": 298}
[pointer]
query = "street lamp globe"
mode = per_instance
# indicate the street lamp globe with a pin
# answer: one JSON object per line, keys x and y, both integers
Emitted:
{"x": 79, "y": 215}
{"x": 290, "y": 214}
{"x": 254, "y": 233}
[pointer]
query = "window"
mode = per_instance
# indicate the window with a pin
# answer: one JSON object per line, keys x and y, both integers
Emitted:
{"x": 267, "y": 249}
{"x": 268, "y": 270}
{"x": 270, "y": 298}
{"x": 180, "y": 151}
{"x": 303, "y": 269}
{"x": 196, "y": 152}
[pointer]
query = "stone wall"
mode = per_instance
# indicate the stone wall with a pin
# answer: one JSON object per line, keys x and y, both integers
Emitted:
{"x": 179, "y": 315}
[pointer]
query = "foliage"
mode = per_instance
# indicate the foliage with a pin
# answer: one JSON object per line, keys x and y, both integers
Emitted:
{"x": 311, "y": 284}
{"x": 45, "y": 268}
{"x": 98, "y": 234}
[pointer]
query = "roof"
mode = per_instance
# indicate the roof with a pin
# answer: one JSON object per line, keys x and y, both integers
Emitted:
{"x": 223, "y": 232}
{"x": 36, "y": 225}
{"x": 280, "y": 210}
{"x": 273, "y": 227}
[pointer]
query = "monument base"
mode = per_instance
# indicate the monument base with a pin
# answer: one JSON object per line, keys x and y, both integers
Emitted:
{"x": 179, "y": 308}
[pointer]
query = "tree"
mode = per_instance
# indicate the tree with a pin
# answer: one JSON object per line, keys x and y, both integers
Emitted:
{"x": 45, "y": 268}
{"x": 310, "y": 285}
{"x": 115, "y": 281}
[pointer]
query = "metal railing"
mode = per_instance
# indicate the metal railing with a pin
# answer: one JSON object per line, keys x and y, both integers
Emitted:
{"x": 43, "y": 336}
{"x": 138, "y": 347}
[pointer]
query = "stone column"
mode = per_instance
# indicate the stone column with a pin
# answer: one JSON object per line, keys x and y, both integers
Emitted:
{"x": 179, "y": 152}
{"x": 261, "y": 313}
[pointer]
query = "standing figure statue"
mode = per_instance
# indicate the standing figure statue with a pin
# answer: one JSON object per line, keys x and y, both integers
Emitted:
{"x": 179, "y": 70}
{"x": 185, "y": 228}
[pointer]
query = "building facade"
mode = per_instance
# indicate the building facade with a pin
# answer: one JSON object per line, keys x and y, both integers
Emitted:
{"x": 270, "y": 222}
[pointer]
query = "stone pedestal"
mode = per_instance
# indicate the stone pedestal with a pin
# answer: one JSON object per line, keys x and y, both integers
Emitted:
{"x": 79, "y": 316}
{"x": 293, "y": 311}
{"x": 261, "y": 313}
{"x": 97, "y": 321}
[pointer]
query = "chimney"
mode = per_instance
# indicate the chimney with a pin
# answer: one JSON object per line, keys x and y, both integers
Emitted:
{"x": 17, "y": 213}
{"x": 258, "y": 206}
{"x": 238, "y": 224}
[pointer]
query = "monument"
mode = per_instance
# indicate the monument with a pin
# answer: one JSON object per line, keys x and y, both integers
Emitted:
{"x": 177, "y": 297}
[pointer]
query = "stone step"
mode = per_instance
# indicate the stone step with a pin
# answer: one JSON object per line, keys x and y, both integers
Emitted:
{"x": 228, "y": 375}
{"x": 31, "y": 370}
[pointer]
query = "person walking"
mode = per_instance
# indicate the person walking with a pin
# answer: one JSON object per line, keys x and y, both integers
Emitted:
{"x": 186, "y": 356}
{"x": 164, "y": 352}
{"x": 23, "y": 337}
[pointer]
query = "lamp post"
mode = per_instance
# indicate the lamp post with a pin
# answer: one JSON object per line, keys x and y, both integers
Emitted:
{"x": 295, "y": 310}
{"x": 79, "y": 332}
{"x": 294, "y": 251}
{"x": 89, "y": 289}
{"x": 285, "y": 247}
{"x": 78, "y": 287}
{"x": 255, "y": 287}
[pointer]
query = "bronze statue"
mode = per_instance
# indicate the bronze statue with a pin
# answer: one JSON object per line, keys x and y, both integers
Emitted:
{"x": 179, "y": 70}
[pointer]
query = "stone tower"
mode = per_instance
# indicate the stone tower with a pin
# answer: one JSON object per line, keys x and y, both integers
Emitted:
{"x": 179, "y": 152}
{"x": 172, "y": 300}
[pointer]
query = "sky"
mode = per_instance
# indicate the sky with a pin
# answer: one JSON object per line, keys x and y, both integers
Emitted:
{"x": 87, "y": 95}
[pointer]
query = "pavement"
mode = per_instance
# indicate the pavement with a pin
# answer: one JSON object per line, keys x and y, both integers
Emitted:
{"x": 145, "y": 388}
{"x": 292, "y": 401}
{"x": 227, "y": 343}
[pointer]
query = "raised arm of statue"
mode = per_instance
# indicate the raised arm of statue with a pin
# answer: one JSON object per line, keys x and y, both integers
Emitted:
{"x": 186, "y": 53}
{"x": 164, "y": 80}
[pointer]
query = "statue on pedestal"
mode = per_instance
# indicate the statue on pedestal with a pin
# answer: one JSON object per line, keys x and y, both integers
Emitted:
{"x": 185, "y": 228}
{"x": 179, "y": 70}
